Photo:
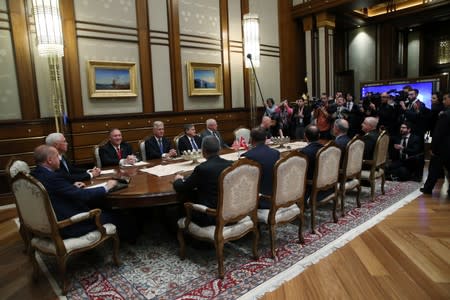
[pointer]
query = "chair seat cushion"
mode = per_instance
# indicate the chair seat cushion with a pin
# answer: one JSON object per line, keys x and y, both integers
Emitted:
{"x": 351, "y": 184}
{"x": 283, "y": 214}
{"x": 207, "y": 232}
{"x": 365, "y": 174}
{"x": 48, "y": 246}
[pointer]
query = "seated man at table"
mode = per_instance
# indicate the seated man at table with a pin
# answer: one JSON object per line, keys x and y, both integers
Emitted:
{"x": 266, "y": 157}
{"x": 116, "y": 152}
{"x": 211, "y": 129}
{"x": 266, "y": 122}
{"x": 159, "y": 146}
{"x": 190, "y": 140}
{"x": 70, "y": 199}
{"x": 202, "y": 185}
{"x": 369, "y": 126}
{"x": 72, "y": 172}
{"x": 340, "y": 129}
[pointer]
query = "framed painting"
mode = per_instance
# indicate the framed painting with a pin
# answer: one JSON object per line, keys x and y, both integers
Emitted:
{"x": 204, "y": 79}
{"x": 109, "y": 79}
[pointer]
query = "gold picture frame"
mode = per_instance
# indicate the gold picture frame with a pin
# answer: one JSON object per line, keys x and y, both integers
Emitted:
{"x": 204, "y": 79}
{"x": 111, "y": 79}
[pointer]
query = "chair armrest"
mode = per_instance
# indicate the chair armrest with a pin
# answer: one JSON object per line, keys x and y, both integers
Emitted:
{"x": 189, "y": 206}
{"x": 94, "y": 213}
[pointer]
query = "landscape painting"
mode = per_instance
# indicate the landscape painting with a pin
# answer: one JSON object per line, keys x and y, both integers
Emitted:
{"x": 204, "y": 79}
{"x": 111, "y": 79}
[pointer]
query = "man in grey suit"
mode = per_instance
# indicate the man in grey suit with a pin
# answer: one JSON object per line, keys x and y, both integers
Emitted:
{"x": 211, "y": 129}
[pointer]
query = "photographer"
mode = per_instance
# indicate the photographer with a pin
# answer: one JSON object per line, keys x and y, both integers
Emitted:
{"x": 368, "y": 107}
{"x": 386, "y": 114}
{"x": 322, "y": 115}
{"x": 284, "y": 113}
{"x": 415, "y": 112}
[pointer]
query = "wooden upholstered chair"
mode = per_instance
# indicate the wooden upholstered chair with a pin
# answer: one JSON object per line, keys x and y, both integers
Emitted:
{"x": 98, "y": 161}
{"x": 175, "y": 141}
{"x": 326, "y": 176}
{"x": 350, "y": 174}
{"x": 377, "y": 164}
{"x": 287, "y": 200}
{"x": 36, "y": 211}
{"x": 13, "y": 167}
{"x": 141, "y": 146}
{"x": 242, "y": 132}
{"x": 236, "y": 212}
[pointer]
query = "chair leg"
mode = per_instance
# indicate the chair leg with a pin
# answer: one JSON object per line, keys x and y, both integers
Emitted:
{"x": 300, "y": 228}
{"x": 272, "y": 239}
{"x": 255, "y": 243}
{"x": 180, "y": 237}
{"x": 62, "y": 271}
{"x": 26, "y": 238}
{"x": 342, "y": 194}
{"x": 32, "y": 253}
{"x": 383, "y": 179}
{"x": 358, "y": 202}
{"x": 335, "y": 199}
{"x": 372, "y": 189}
{"x": 116, "y": 245}
{"x": 219, "y": 254}
{"x": 312, "y": 202}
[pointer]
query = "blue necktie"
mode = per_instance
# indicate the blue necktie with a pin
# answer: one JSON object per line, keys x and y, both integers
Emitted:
{"x": 194, "y": 145}
{"x": 64, "y": 163}
{"x": 161, "y": 148}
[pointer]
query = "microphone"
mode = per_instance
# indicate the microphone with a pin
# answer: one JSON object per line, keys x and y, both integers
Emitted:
{"x": 249, "y": 56}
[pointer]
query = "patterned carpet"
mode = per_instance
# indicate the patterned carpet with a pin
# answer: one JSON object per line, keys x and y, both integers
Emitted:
{"x": 151, "y": 269}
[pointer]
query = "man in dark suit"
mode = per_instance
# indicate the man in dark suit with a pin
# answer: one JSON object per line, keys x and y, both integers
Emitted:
{"x": 116, "y": 151}
{"x": 407, "y": 156}
{"x": 369, "y": 127}
{"x": 416, "y": 113}
{"x": 340, "y": 129}
{"x": 190, "y": 140}
{"x": 266, "y": 157}
{"x": 70, "y": 199}
{"x": 440, "y": 147}
{"x": 211, "y": 129}
{"x": 386, "y": 115}
{"x": 202, "y": 185}
{"x": 72, "y": 172}
{"x": 158, "y": 146}
{"x": 301, "y": 118}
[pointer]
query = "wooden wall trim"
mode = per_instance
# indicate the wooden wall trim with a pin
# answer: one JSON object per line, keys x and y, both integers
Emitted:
{"x": 225, "y": 54}
{"x": 26, "y": 81}
{"x": 70, "y": 61}
{"x": 145, "y": 59}
{"x": 175, "y": 55}
{"x": 245, "y": 9}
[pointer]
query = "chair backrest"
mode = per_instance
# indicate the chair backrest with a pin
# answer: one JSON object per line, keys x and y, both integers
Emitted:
{"x": 14, "y": 166}
{"x": 33, "y": 205}
{"x": 353, "y": 158}
{"x": 98, "y": 161}
{"x": 141, "y": 145}
{"x": 290, "y": 178}
{"x": 381, "y": 149}
{"x": 327, "y": 165}
{"x": 238, "y": 190}
{"x": 175, "y": 141}
{"x": 242, "y": 132}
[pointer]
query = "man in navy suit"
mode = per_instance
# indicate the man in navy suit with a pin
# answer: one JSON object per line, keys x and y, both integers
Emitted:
{"x": 211, "y": 129}
{"x": 116, "y": 151}
{"x": 202, "y": 186}
{"x": 70, "y": 199}
{"x": 266, "y": 157}
{"x": 369, "y": 127}
{"x": 72, "y": 172}
{"x": 159, "y": 146}
{"x": 190, "y": 140}
{"x": 407, "y": 156}
{"x": 340, "y": 129}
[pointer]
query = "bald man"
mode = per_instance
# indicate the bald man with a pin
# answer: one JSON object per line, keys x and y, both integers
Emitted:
{"x": 369, "y": 127}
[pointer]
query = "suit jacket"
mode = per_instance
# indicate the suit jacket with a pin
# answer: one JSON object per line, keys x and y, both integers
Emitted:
{"x": 387, "y": 117}
{"x": 152, "y": 149}
{"x": 108, "y": 154}
{"x": 440, "y": 145}
{"x": 68, "y": 200}
{"x": 370, "y": 140}
{"x": 266, "y": 157}
{"x": 185, "y": 144}
{"x": 73, "y": 173}
{"x": 418, "y": 119}
{"x": 414, "y": 147}
{"x": 311, "y": 150}
{"x": 206, "y": 132}
{"x": 342, "y": 141}
{"x": 204, "y": 179}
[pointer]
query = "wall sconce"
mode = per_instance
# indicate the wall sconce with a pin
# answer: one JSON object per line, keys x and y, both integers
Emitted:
{"x": 250, "y": 25}
{"x": 50, "y": 43}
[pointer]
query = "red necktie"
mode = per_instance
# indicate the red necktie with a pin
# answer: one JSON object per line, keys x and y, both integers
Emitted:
{"x": 119, "y": 152}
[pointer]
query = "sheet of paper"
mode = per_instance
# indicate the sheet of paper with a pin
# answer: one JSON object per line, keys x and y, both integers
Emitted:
{"x": 106, "y": 172}
{"x": 96, "y": 185}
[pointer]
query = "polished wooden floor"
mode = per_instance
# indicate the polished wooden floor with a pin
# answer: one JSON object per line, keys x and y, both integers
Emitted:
{"x": 406, "y": 256}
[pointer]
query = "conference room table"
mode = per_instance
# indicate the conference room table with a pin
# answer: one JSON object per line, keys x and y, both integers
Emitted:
{"x": 150, "y": 182}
